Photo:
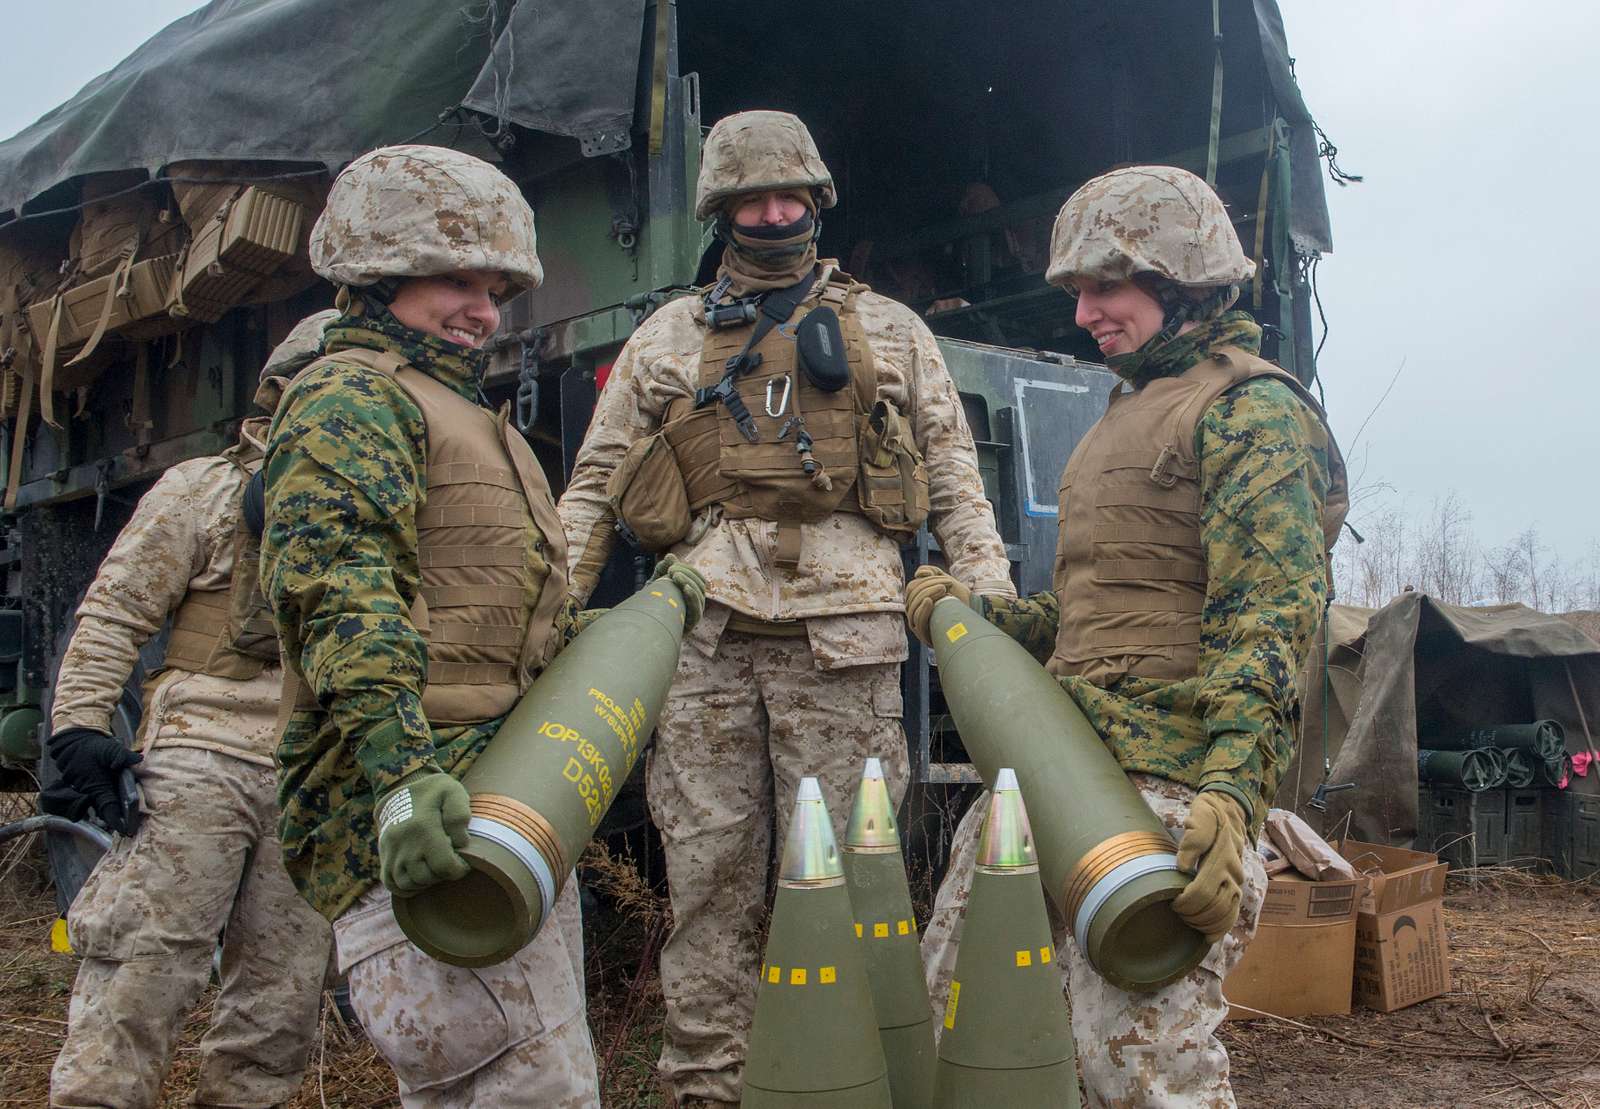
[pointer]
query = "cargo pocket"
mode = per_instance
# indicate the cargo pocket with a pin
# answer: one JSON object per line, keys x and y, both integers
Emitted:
{"x": 648, "y": 494}
{"x": 432, "y": 1022}
{"x": 893, "y": 485}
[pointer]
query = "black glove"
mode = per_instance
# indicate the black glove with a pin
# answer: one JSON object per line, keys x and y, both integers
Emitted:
{"x": 62, "y": 800}
{"x": 91, "y": 763}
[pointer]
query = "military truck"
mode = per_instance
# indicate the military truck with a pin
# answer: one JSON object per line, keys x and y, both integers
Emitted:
{"x": 153, "y": 230}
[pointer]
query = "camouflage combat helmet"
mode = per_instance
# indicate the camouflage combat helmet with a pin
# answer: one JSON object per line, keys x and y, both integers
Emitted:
{"x": 1147, "y": 219}
{"x": 297, "y": 351}
{"x": 751, "y": 152}
{"x": 419, "y": 211}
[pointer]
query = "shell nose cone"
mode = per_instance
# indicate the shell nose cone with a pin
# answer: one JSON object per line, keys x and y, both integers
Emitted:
{"x": 811, "y": 852}
{"x": 872, "y": 822}
{"x": 1007, "y": 840}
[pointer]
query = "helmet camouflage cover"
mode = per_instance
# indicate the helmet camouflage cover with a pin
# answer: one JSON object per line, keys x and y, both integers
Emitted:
{"x": 420, "y": 211}
{"x": 751, "y": 152}
{"x": 1147, "y": 219}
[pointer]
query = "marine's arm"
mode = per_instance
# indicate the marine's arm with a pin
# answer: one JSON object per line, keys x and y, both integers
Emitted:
{"x": 143, "y": 578}
{"x": 1032, "y": 620}
{"x": 628, "y": 408}
{"x": 339, "y": 560}
{"x": 959, "y": 513}
{"x": 1264, "y": 476}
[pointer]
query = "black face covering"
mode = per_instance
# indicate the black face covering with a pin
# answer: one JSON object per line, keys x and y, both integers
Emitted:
{"x": 772, "y": 244}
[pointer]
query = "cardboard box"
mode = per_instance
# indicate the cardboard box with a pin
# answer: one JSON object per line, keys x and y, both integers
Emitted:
{"x": 1402, "y": 952}
{"x": 1303, "y": 955}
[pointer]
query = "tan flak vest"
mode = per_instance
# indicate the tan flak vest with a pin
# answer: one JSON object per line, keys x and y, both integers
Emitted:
{"x": 228, "y": 633}
{"x": 1130, "y": 569}
{"x": 484, "y": 492}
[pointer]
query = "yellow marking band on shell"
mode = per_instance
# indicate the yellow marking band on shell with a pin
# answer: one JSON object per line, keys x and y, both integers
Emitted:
{"x": 60, "y": 942}
{"x": 950, "y": 1006}
{"x": 797, "y": 976}
{"x": 671, "y": 602}
{"x": 956, "y": 632}
{"x": 858, "y": 929}
{"x": 658, "y": 593}
{"x": 1046, "y": 956}
{"x": 903, "y": 928}
{"x": 1025, "y": 958}
{"x": 880, "y": 930}
{"x": 774, "y": 974}
{"x": 828, "y": 975}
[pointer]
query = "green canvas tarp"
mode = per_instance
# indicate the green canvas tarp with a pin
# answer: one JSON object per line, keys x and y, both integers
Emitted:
{"x": 1419, "y": 666}
{"x": 320, "y": 81}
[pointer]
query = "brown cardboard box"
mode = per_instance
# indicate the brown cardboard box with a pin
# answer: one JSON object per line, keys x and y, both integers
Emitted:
{"x": 1303, "y": 953}
{"x": 1402, "y": 952}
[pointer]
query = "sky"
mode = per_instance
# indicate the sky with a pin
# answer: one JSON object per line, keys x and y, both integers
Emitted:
{"x": 1470, "y": 255}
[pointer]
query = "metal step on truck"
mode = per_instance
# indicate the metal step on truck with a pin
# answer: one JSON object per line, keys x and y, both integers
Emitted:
{"x": 153, "y": 234}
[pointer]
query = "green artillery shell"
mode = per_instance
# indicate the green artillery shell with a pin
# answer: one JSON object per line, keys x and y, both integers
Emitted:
{"x": 1007, "y": 1037}
{"x": 1473, "y": 769}
{"x": 881, "y": 899}
{"x": 814, "y": 1039}
{"x": 542, "y": 785}
{"x": 1108, "y": 863}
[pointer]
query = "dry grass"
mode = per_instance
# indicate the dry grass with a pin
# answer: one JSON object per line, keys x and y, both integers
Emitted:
{"x": 1521, "y": 1027}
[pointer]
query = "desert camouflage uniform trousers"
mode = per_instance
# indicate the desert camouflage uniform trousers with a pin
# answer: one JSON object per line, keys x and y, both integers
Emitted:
{"x": 204, "y": 866}
{"x": 739, "y": 731}
{"x": 499, "y": 1037}
{"x": 1150, "y": 1049}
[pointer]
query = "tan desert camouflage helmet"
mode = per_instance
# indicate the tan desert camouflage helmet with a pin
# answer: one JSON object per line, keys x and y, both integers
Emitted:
{"x": 300, "y": 347}
{"x": 420, "y": 211}
{"x": 1147, "y": 219}
{"x": 297, "y": 351}
{"x": 754, "y": 152}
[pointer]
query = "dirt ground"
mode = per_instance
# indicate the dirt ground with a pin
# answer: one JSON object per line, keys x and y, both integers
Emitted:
{"x": 1520, "y": 1027}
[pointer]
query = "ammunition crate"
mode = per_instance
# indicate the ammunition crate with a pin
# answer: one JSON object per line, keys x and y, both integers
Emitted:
{"x": 1524, "y": 817}
{"x": 1463, "y": 828}
{"x": 1571, "y": 834}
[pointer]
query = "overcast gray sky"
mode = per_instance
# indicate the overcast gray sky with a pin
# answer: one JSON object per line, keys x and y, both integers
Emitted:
{"x": 1471, "y": 252}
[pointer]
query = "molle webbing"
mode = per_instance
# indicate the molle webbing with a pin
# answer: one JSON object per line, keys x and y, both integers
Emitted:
{"x": 486, "y": 607}
{"x": 1130, "y": 565}
{"x": 765, "y": 479}
{"x": 201, "y": 643}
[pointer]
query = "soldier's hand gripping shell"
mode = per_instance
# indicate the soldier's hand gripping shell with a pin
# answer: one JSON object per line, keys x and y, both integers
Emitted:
{"x": 689, "y": 583}
{"x": 927, "y": 587}
{"x": 1212, "y": 849}
{"x": 422, "y": 826}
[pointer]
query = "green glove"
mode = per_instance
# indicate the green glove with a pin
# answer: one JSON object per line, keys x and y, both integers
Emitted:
{"x": 689, "y": 583}
{"x": 927, "y": 587}
{"x": 422, "y": 826}
{"x": 1212, "y": 849}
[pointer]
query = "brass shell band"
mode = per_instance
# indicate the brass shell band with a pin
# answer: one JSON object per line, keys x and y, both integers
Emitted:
{"x": 1103, "y": 858}
{"x": 526, "y": 823}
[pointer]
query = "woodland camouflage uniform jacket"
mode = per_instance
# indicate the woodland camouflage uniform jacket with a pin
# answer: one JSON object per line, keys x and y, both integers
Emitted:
{"x": 345, "y": 476}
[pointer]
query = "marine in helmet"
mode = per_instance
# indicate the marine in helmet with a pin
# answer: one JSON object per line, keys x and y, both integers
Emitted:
{"x": 1191, "y": 575}
{"x": 201, "y": 860}
{"x": 783, "y": 432}
{"x": 417, "y": 574}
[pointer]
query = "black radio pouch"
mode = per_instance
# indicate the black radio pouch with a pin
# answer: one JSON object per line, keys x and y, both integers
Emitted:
{"x": 820, "y": 345}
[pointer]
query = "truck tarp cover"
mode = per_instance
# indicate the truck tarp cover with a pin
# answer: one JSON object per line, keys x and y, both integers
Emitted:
{"x": 324, "y": 80}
